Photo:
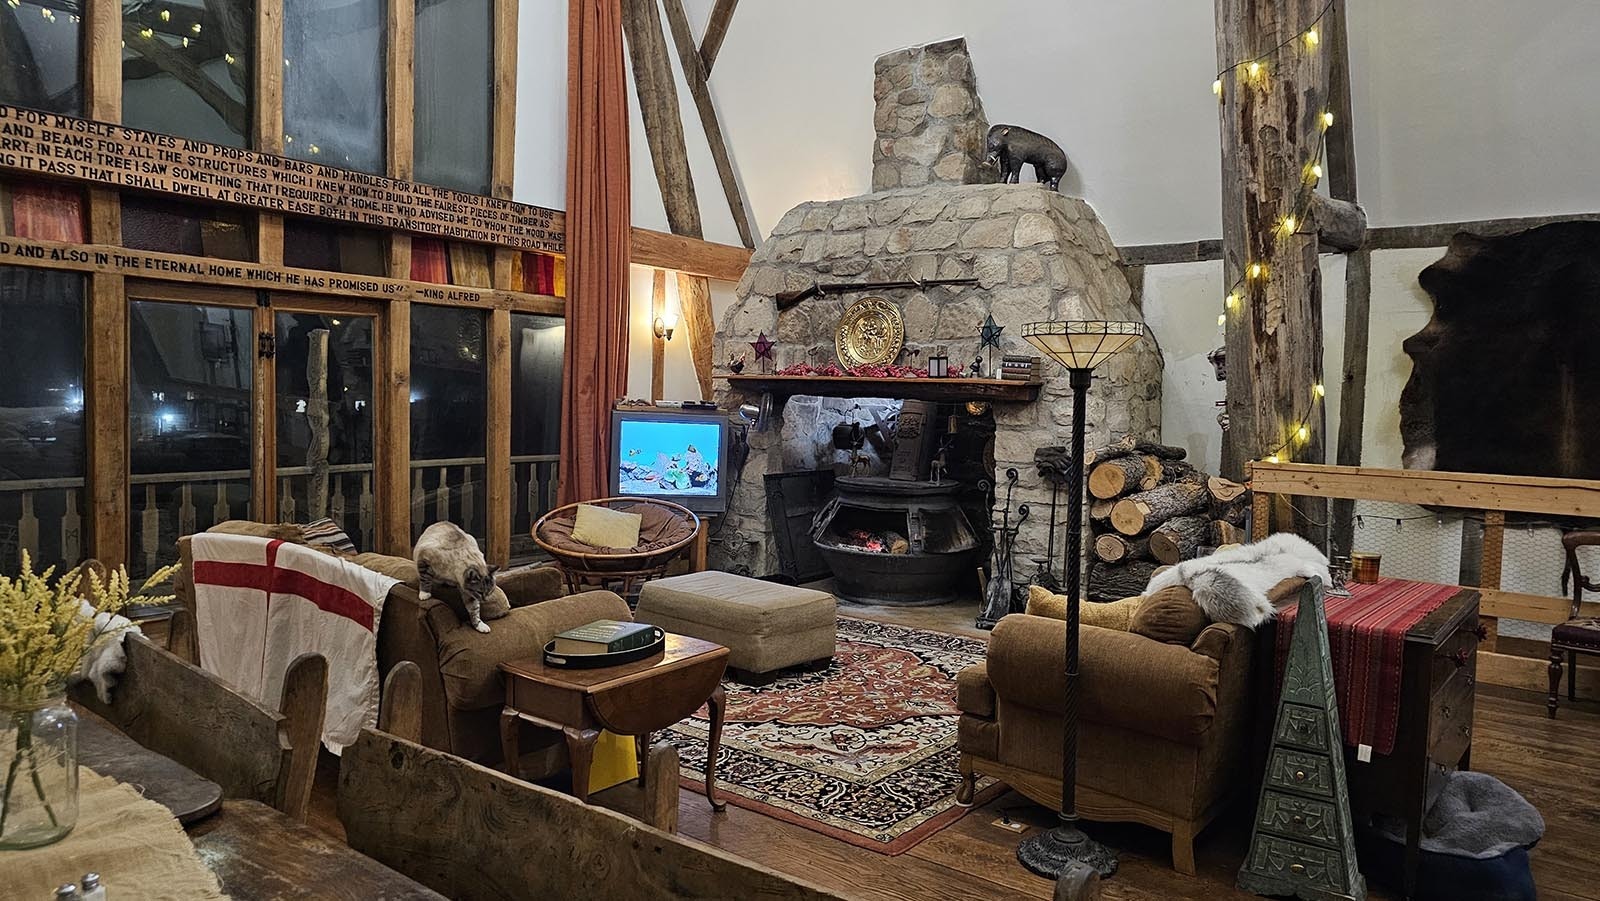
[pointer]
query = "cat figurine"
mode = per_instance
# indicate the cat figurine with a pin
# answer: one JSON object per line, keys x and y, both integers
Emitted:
{"x": 447, "y": 555}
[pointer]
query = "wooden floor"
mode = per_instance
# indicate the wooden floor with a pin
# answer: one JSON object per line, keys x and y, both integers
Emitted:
{"x": 1554, "y": 763}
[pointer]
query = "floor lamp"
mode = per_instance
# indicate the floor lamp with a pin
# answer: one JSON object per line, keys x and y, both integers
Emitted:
{"x": 1080, "y": 346}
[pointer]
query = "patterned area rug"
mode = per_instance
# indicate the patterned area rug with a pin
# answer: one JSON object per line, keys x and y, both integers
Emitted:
{"x": 864, "y": 751}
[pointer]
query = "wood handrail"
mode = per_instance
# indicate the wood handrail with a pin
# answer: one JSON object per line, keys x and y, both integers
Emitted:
{"x": 1465, "y": 490}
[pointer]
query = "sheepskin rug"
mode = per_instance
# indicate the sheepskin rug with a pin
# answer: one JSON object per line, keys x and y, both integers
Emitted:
{"x": 1231, "y": 585}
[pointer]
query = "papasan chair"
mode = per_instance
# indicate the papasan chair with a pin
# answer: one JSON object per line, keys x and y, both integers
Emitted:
{"x": 665, "y": 531}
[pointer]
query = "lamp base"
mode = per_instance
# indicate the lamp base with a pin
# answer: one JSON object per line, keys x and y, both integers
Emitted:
{"x": 1049, "y": 853}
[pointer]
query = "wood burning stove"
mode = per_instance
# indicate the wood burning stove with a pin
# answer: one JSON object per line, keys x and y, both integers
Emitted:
{"x": 897, "y": 543}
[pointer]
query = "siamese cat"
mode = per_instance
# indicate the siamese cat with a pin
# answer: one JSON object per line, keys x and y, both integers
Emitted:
{"x": 446, "y": 555}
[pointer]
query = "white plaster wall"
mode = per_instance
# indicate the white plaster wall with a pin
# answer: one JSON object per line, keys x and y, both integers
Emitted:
{"x": 678, "y": 382}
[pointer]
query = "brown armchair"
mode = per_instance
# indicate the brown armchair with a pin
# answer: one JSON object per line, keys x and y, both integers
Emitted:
{"x": 1163, "y": 728}
{"x": 461, "y": 689}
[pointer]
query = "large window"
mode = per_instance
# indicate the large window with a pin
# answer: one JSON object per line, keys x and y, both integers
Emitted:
{"x": 39, "y": 55}
{"x": 186, "y": 68}
{"x": 538, "y": 346}
{"x": 171, "y": 226}
{"x": 333, "y": 82}
{"x": 42, "y": 460}
{"x": 454, "y": 74}
{"x": 448, "y": 418}
{"x": 189, "y": 417}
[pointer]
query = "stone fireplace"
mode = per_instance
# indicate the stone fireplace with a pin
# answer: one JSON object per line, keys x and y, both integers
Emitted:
{"x": 1035, "y": 255}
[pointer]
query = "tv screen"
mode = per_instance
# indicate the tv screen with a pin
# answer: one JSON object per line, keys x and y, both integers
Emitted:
{"x": 672, "y": 456}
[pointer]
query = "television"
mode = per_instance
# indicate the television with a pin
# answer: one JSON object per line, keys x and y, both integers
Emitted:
{"x": 678, "y": 457}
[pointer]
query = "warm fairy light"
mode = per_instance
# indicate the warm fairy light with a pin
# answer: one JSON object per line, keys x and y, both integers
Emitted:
{"x": 166, "y": 15}
{"x": 1312, "y": 38}
{"x": 1222, "y": 319}
{"x": 1327, "y": 120}
{"x": 1318, "y": 391}
{"x": 1288, "y": 225}
{"x": 1254, "y": 69}
{"x": 229, "y": 58}
{"x": 195, "y": 28}
{"x": 1272, "y": 458}
{"x": 315, "y": 149}
{"x": 288, "y": 139}
{"x": 147, "y": 33}
{"x": 1233, "y": 300}
{"x": 186, "y": 42}
{"x": 1216, "y": 87}
{"x": 1257, "y": 270}
{"x": 1302, "y": 433}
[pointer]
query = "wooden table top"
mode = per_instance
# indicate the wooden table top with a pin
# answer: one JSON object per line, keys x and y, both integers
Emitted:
{"x": 104, "y": 749}
{"x": 681, "y": 652}
{"x": 259, "y": 854}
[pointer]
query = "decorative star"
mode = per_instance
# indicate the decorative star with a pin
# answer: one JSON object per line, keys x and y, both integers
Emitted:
{"x": 763, "y": 346}
{"x": 989, "y": 335}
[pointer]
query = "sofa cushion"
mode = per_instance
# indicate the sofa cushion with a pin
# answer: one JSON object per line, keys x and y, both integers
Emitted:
{"x": 1127, "y": 680}
{"x": 469, "y": 660}
{"x": 282, "y": 531}
{"x": 604, "y": 527}
{"x": 327, "y": 533}
{"x": 394, "y": 567}
{"x": 1169, "y": 616}
{"x": 531, "y": 584}
{"x": 1109, "y": 615}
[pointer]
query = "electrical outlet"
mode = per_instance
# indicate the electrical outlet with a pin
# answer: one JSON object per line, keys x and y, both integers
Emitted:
{"x": 1010, "y": 825}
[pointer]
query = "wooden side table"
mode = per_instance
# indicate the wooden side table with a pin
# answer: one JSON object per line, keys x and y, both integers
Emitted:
{"x": 633, "y": 699}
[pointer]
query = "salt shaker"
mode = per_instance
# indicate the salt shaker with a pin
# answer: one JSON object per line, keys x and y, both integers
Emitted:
{"x": 93, "y": 890}
{"x": 68, "y": 892}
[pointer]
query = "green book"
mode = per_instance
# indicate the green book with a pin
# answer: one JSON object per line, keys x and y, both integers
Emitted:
{"x": 605, "y": 636}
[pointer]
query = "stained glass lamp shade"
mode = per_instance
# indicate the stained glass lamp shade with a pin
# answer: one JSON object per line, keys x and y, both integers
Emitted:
{"x": 1082, "y": 343}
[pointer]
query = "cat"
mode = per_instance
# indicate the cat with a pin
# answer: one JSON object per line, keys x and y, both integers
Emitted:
{"x": 446, "y": 555}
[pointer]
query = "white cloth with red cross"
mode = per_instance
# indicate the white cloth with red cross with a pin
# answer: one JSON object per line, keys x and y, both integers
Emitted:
{"x": 260, "y": 603}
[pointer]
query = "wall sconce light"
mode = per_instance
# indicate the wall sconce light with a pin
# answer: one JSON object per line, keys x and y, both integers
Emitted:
{"x": 665, "y": 323}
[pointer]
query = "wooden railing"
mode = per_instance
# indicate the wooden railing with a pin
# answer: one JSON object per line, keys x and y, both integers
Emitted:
{"x": 534, "y": 483}
{"x": 1491, "y": 496}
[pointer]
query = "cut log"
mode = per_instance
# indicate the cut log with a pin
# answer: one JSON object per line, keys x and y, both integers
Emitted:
{"x": 1160, "y": 472}
{"x": 1119, "y": 448}
{"x": 1113, "y": 582}
{"x": 1100, "y": 510}
{"x": 1113, "y": 548}
{"x": 1139, "y": 513}
{"x": 1164, "y": 451}
{"x": 1224, "y": 489}
{"x": 1117, "y": 476}
{"x": 1223, "y": 533}
{"x": 1178, "y": 538}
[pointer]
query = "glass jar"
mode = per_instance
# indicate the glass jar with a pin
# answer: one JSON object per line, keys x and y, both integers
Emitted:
{"x": 39, "y": 766}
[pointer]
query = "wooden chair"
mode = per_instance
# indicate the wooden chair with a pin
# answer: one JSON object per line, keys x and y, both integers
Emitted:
{"x": 473, "y": 833}
{"x": 177, "y": 709}
{"x": 586, "y": 566}
{"x": 1579, "y": 634}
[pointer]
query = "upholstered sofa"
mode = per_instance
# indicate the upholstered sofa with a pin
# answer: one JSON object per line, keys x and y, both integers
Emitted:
{"x": 462, "y": 689}
{"x": 1163, "y": 727}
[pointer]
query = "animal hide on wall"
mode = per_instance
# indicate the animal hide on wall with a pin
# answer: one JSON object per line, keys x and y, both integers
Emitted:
{"x": 1506, "y": 375}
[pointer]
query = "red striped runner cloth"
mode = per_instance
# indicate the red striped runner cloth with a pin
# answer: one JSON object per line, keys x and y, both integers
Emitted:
{"x": 1367, "y": 636}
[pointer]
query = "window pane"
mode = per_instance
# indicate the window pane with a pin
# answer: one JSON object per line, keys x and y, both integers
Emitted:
{"x": 333, "y": 82}
{"x": 538, "y": 345}
{"x": 186, "y": 68}
{"x": 42, "y": 460}
{"x": 448, "y": 411}
{"x": 172, "y": 227}
{"x": 337, "y": 248}
{"x": 324, "y": 401}
{"x": 454, "y": 71}
{"x": 188, "y": 423}
{"x": 39, "y": 46}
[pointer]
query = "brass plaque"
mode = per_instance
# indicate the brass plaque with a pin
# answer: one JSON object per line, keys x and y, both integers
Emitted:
{"x": 870, "y": 332}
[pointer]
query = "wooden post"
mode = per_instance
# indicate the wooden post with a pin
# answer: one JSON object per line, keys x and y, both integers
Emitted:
{"x": 498, "y": 478}
{"x": 657, "y": 93}
{"x": 267, "y": 116}
{"x": 658, "y": 344}
{"x": 317, "y": 420}
{"x": 1271, "y": 123}
{"x": 393, "y": 452}
{"x": 1490, "y": 568}
{"x": 503, "y": 147}
{"x": 699, "y": 326}
{"x": 106, "y": 381}
{"x": 716, "y": 31}
{"x": 695, "y": 75}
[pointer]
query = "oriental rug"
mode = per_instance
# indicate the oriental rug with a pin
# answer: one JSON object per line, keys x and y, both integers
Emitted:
{"x": 863, "y": 751}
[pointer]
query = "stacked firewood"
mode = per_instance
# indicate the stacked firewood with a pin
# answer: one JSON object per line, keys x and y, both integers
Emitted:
{"x": 1149, "y": 508}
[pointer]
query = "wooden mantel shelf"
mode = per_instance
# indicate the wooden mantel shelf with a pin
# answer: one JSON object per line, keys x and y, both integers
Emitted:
{"x": 950, "y": 390}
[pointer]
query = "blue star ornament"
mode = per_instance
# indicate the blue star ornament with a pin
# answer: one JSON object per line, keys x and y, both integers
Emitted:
{"x": 989, "y": 335}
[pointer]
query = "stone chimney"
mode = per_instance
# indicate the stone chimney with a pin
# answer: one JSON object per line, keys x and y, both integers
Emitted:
{"x": 929, "y": 120}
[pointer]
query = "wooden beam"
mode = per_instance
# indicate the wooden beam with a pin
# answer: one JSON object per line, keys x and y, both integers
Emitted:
{"x": 1536, "y": 608}
{"x": 401, "y": 91}
{"x": 723, "y": 262}
{"x": 497, "y": 463}
{"x": 105, "y": 409}
{"x": 716, "y": 32}
{"x": 1340, "y": 224}
{"x": 503, "y": 148}
{"x": 267, "y": 116}
{"x": 1491, "y": 564}
{"x": 1465, "y": 490}
{"x": 658, "y": 345}
{"x": 1352, "y": 387}
{"x": 1180, "y": 252}
{"x": 1276, "y": 333}
{"x": 698, "y": 325}
{"x": 393, "y": 459}
{"x": 657, "y": 93}
{"x": 1340, "y": 142}
{"x": 695, "y": 74}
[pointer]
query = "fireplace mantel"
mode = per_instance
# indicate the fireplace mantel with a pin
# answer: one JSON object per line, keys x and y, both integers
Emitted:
{"x": 950, "y": 390}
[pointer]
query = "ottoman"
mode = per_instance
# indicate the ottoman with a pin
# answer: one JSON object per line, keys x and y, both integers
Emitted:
{"x": 765, "y": 626}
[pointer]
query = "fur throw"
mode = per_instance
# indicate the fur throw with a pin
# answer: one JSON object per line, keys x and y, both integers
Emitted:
{"x": 1231, "y": 585}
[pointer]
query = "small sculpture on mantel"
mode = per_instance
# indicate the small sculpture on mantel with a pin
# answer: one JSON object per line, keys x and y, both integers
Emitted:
{"x": 736, "y": 364}
{"x": 1012, "y": 145}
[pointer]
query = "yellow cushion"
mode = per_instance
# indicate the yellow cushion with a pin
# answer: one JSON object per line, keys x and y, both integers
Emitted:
{"x": 604, "y": 527}
{"x": 1116, "y": 615}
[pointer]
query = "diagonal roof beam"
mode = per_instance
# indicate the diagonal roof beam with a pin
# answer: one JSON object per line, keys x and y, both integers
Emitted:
{"x": 695, "y": 74}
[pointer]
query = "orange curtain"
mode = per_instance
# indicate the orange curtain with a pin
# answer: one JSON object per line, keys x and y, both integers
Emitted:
{"x": 598, "y": 237}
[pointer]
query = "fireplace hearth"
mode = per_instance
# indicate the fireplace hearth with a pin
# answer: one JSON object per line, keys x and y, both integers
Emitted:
{"x": 897, "y": 543}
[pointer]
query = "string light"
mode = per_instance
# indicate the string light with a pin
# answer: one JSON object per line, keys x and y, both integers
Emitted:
{"x": 1233, "y": 300}
{"x": 1312, "y": 38}
{"x": 1216, "y": 87}
{"x": 195, "y": 28}
{"x": 1222, "y": 319}
{"x": 186, "y": 42}
{"x": 166, "y": 15}
{"x": 147, "y": 33}
{"x": 1288, "y": 224}
{"x": 1303, "y": 433}
{"x": 1258, "y": 270}
{"x": 1318, "y": 391}
{"x": 229, "y": 58}
{"x": 1327, "y": 119}
{"x": 1254, "y": 69}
